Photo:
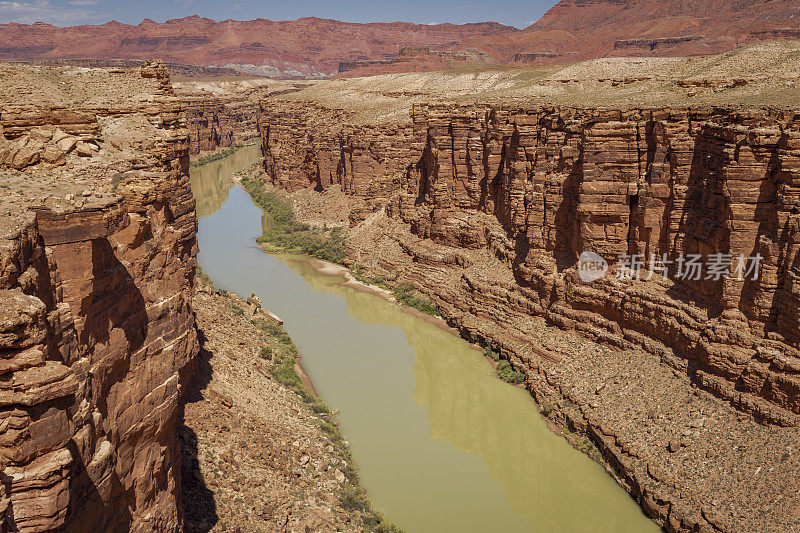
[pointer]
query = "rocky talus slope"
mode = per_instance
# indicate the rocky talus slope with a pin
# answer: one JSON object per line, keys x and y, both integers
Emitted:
{"x": 690, "y": 389}
{"x": 256, "y": 457}
{"x": 97, "y": 261}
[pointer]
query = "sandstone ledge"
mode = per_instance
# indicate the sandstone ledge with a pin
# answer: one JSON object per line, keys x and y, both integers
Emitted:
{"x": 97, "y": 247}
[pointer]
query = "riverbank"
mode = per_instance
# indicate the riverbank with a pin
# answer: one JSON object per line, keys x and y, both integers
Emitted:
{"x": 204, "y": 158}
{"x": 684, "y": 455}
{"x": 260, "y": 452}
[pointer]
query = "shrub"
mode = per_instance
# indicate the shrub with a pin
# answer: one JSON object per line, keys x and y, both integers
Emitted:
{"x": 507, "y": 373}
{"x": 116, "y": 179}
{"x": 202, "y": 276}
{"x": 492, "y": 354}
{"x": 284, "y": 373}
{"x": 353, "y": 499}
{"x": 287, "y": 234}
{"x": 216, "y": 156}
{"x": 408, "y": 295}
{"x": 267, "y": 326}
{"x": 266, "y": 353}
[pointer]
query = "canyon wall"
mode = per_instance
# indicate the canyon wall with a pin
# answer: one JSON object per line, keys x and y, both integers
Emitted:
{"x": 533, "y": 187}
{"x": 215, "y": 123}
{"x": 96, "y": 326}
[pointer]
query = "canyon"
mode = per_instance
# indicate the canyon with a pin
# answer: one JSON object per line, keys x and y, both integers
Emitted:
{"x": 537, "y": 186}
{"x": 480, "y": 189}
{"x": 135, "y": 396}
{"x": 485, "y": 205}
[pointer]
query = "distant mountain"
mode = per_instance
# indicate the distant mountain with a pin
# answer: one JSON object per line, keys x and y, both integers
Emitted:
{"x": 572, "y": 30}
{"x": 585, "y": 29}
{"x": 308, "y": 47}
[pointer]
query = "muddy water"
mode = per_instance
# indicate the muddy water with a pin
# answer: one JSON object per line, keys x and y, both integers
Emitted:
{"x": 441, "y": 444}
{"x": 211, "y": 182}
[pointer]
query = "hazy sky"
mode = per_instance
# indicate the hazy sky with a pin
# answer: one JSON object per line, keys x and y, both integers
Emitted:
{"x": 519, "y": 13}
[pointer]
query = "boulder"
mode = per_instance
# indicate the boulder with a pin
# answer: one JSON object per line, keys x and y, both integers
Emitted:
{"x": 29, "y": 153}
{"x": 52, "y": 154}
{"x": 67, "y": 144}
{"x": 41, "y": 134}
{"x": 84, "y": 149}
{"x": 58, "y": 135}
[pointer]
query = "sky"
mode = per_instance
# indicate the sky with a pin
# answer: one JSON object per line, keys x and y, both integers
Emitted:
{"x": 519, "y": 13}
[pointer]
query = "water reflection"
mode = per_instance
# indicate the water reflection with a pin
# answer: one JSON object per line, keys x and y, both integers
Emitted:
{"x": 441, "y": 444}
{"x": 211, "y": 182}
{"x": 469, "y": 408}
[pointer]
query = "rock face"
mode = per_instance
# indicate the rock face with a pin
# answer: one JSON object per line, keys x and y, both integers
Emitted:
{"x": 487, "y": 211}
{"x": 537, "y": 186}
{"x": 308, "y": 47}
{"x": 307, "y": 146}
{"x": 95, "y": 322}
{"x": 587, "y": 29}
{"x": 215, "y": 123}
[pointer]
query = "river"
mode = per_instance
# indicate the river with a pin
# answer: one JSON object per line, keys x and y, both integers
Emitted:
{"x": 441, "y": 444}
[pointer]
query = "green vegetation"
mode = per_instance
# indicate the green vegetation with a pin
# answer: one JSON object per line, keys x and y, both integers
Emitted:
{"x": 507, "y": 373}
{"x": 491, "y": 354}
{"x": 585, "y": 444}
{"x": 116, "y": 179}
{"x": 353, "y": 499}
{"x": 221, "y": 154}
{"x": 408, "y": 295}
{"x": 202, "y": 276}
{"x": 287, "y": 234}
{"x": 266, "y": 353}
{"x": 378, "y": 281}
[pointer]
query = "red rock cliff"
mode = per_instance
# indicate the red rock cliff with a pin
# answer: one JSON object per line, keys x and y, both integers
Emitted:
{"x": 95, "y": 321}
{"x": 536, "y": 186}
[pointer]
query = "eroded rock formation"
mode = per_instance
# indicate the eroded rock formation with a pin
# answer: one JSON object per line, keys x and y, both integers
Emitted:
{"x": 305, "y": 48}
{"x": 486, "y": 209}
{"x": 540, "y": 185}
{"x": 97, "y": 261}
{"x": 214, "y": 123}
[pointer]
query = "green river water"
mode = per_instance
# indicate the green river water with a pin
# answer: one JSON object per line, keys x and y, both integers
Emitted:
{"x": 441, "y": 444}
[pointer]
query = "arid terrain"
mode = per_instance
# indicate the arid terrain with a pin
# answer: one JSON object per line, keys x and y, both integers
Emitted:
{"x": 481, "y": 189}
{"x": 255, "y": 456}
{"x": 123, "y": 391}
{"x": 137, "y": 397}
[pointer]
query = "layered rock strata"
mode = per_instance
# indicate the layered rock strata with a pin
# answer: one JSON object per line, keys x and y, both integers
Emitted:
{"x": 221, "y": 114}
{"x": 487, "y": 209}
{"x": 540, "y": 185}
{"x": 97, "y": 261}
{"x": 216, "y": 123}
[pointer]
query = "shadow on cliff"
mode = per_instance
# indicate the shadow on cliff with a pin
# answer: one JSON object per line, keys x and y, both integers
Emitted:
{"x": 199, "y": 508}
{"x": 705, "y": 219}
